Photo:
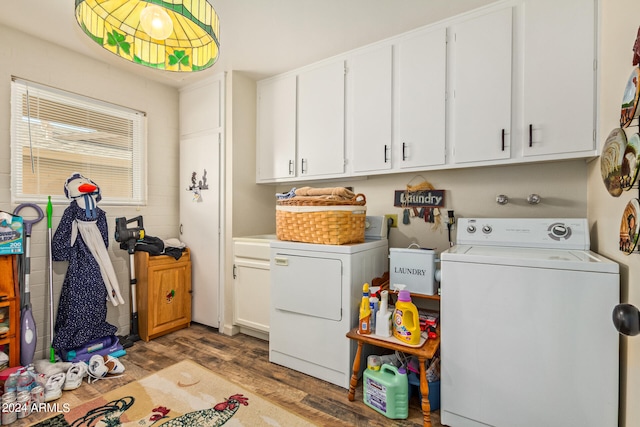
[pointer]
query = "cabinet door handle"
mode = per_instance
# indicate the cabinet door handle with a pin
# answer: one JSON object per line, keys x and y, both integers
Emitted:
{"x": 181, "y": 229}
{"x": 404, "y": 157}
{"x": 290, "y": 167}
{"x": 303, "y": 169}
{"x": 386, "y": 148}
{"x": 234, "y": 271}
{"x": 530, "y": 135}
{"x": 502, "y": 139}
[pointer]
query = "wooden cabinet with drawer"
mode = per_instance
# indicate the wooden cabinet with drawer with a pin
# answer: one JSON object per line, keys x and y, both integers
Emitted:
{"x": 163, "y": 293}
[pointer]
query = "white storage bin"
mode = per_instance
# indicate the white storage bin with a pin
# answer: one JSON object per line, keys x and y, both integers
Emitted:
{"x": 414, "y": 268}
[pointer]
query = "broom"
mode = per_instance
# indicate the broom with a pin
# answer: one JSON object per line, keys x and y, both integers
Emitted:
{"x": 52, "y": 353}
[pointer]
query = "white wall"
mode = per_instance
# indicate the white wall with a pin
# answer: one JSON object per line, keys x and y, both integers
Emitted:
{"x": 46, "y": 63}
{"x": 619, "y": 26}
{"x": 472, "y": 192}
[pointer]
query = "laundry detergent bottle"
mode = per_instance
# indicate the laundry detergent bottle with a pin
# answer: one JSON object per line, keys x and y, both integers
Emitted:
{"x": 406, "y": 324}
{"x": 387, "y": 391}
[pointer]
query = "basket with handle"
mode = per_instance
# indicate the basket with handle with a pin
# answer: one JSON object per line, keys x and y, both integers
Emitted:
{"x": 321, "y": 220}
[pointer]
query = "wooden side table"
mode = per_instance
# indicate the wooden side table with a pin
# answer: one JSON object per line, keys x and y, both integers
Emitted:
{"x": 427, "y": 351}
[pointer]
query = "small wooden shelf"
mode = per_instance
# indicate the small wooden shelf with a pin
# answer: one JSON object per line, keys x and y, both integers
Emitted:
{"x": 424, "y": 352}
{"x": 10, "y": 309}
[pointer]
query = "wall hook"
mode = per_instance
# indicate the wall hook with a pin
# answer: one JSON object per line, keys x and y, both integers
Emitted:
{"x": 534, "y": 199}
{"x": 502, "y": 199}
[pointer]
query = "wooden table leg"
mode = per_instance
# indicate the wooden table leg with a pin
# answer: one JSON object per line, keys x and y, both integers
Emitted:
{"x": 424, "y": 389}
{"x": 356, "y": 369}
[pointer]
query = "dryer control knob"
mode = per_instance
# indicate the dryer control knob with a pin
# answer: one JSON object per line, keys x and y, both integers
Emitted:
{"x": 560, "y": 231}
{"x": 471, "y": 229}
{"x": 486, "y": 229}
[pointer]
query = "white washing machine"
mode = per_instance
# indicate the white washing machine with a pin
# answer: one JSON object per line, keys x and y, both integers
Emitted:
{"x": 315, "y": 295}
{"x": 527, "y": 338}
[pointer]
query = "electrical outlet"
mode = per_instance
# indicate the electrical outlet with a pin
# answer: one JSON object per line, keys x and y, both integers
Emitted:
{"x": 394, "y": 218}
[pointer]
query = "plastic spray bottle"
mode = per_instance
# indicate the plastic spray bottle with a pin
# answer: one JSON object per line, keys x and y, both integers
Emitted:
{"x": 364, "y": 323}
{"x": 373, "y": 305}
{"x": 383, "y": 318}
{"x": 406, "y": 323}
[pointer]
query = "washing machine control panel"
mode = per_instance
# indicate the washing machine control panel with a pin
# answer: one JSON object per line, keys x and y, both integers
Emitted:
{"x": 570, "y": 233}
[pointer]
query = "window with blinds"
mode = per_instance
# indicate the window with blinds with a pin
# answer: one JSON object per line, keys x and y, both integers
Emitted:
{"x": 56, "y": 133}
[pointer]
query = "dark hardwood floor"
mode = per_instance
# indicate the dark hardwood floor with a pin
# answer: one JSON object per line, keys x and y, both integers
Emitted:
{"x": 244, "y": 360}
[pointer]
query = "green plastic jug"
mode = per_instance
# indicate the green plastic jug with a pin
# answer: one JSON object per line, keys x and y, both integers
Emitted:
{"x": 387, "y": 391}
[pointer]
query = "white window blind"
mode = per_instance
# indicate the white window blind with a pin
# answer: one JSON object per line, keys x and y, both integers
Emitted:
{"x": 56, "y": 133}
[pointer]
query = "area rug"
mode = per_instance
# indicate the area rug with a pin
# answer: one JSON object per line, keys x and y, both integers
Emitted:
{"x": 184, "y": 394}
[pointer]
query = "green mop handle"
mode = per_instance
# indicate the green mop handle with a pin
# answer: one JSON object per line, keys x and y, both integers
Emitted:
{"x": 52, "y": 353}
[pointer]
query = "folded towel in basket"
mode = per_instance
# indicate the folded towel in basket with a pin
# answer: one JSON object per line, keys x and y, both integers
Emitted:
{"x": 339, "y": 193}
{"x": 285, "y": 196}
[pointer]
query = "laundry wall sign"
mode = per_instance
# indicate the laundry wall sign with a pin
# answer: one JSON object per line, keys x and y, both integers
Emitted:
{"x": 419, "y": 199}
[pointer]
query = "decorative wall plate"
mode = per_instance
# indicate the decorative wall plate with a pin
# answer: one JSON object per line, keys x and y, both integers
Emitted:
{"x": 611, "y": 161}
{"x": 630, "y": 162}
{"x": 629, "y": 109}
{"x": 629, "y": 227}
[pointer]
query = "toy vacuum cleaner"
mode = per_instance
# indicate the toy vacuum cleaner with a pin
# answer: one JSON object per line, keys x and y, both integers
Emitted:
{"x": 28, "y": 332}
{"x": 127, "y": 237}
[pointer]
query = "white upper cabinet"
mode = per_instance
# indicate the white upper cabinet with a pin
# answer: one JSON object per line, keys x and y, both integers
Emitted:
{"x": 300, "y": 128}
{"x": 197, "y": 111}
{"x": 321, "y": 121}
{"x": 276, "y": 129}
{"x": 559, "y": 77}
{"x": 421, "y": 99}
{"x": 370, "y": 90}
{"x": 481, "y": 71}
{"x": 397, "y": 104}
{"x": 510, "y": 82}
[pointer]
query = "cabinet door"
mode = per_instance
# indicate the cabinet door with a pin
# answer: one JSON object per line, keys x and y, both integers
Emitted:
{"x": 252, "y": 294}
{"x": 276, "y": 128}
{"x": 169, "y": 293}
{"x": 370, "y": 82}
{"x": 421, "y": 83}
{"x": 197, "y": 112}
{"x": 481, "y": 61}
{"x": 199, "y": 220}
{"x": 559, "y": 55}
{"x": 321, "y": 120}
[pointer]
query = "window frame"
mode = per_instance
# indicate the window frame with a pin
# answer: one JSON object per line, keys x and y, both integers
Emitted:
{"x": 137, "y": 144}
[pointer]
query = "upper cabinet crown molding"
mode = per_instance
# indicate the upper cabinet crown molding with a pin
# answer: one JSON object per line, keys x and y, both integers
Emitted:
{"x": 510, "y": 82}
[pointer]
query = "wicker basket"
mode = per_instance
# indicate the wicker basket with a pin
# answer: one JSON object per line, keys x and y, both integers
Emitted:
{"x": 326, "y": 222}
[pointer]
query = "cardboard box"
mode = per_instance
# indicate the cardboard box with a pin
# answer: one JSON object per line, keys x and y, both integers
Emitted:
{"x": 10, "y": 234}
{"x": 414, "y": 268}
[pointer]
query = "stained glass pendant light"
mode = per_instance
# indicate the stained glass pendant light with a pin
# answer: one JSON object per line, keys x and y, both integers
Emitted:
{"x": 173, "y": 35}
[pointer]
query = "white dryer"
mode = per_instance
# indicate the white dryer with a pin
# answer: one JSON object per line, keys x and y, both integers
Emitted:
{"x": 315, "y": 295}
{"x": 527, "y": 338}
